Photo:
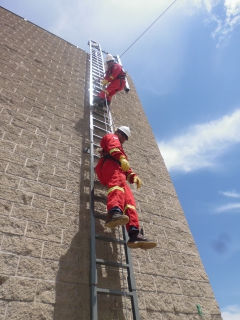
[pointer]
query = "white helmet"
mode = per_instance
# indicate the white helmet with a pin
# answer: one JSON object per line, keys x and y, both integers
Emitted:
{"x": 125, "y": 130}
{"x": 109, "y": 57}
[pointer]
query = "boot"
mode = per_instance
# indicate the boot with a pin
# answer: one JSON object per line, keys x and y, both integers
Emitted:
{"x": 116, "y": 218}
{"x": 138, "y": 240}
{"x": 98, "y": 102}
{"x": 108, "y": 103}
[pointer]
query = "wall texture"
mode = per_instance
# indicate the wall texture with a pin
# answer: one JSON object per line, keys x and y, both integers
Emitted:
{"x": 44, "y": 198}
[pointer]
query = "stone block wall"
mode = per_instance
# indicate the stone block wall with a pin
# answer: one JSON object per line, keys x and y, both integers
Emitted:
{"x": 44, "y": 265}
{"x": 44, "y": 198}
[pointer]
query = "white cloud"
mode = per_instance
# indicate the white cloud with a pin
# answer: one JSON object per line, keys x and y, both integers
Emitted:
{"x": 231, "y": 194}
{"x": 202, "y": 144}
{"x": 231, "y": 312}
{"x": 226, "y": 19}
{"x": 229, "y": 22}
{"x": 228, "y": 207}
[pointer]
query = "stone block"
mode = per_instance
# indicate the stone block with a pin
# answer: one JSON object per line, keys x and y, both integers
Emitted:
{"x": 29, "y": 152}
{"x": 16, "y": 195}
{"x": 35, "y": 187}
{"x": 7, "y": 145}
{"x": 29, "y": 311}
{"x": 186, "y": 259}
{"x": 46, "y": 292}
{"x": 12, "y": 226}
{"x": 74, "y": 272}
{"x": 8, "y": 263}
{"x": 24, "y": 172}
{"x": 72, "y": 209}
{"x": 9, "y": 181}
{"x": 73, "y": 312}
{"x": 3, "y": 164}
{"x": 5, "y": 207}
{"x": 29, "y": 213}
{"x": 13, "y": 288}
{"x": 21, "y": 246}
{"x": 51, "y": 180}
{"x": 64, "y": 195}
{"x": 48, "y": 204}
{"x": 58, "y": 252}
{"x": 37, "y": 268}
{"x": 40, "y": 167}
{"x": 63, "y": 221}
{"x": 168, "y": 285}
{"x": 160, "y": 302}
{"x": 43, "y": 232}
{"x": 23, "y": 124}
{"x": 3, "y": 306}
{"x": 145, "y": 282}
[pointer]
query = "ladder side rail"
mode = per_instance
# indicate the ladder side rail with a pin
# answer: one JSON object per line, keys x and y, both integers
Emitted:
{"x": 93, "y": 269}
{"x": 131, "y": 277}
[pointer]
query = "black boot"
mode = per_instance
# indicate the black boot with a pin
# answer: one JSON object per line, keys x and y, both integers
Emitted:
{"x": 98, "y": 102}
{"x": 116, "y": 218}
{"x": 108, "y": 103}
{"x": 138, "y": 240}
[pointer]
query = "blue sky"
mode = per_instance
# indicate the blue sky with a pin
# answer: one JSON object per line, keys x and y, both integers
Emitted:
{"x": 187, "y": 73}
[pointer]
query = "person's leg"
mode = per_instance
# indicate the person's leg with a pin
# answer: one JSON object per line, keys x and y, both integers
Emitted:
{"x": 116, "y": 194}
{"x": 136, "y": 237}
{"x": 130, "y": 209}
{"x": 114, "y": 87}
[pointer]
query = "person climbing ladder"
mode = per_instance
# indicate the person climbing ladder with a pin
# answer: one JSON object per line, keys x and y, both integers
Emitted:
{"x": 115, "y": 80}
{"x": 113, "y": 170}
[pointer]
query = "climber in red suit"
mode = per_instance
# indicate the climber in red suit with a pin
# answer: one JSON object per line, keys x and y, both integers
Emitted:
{"x": 113, "y": 170}
{"x": 114, "y": 79}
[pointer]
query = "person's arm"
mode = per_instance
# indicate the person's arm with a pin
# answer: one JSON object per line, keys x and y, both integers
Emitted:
{"x": 133, "y": 178}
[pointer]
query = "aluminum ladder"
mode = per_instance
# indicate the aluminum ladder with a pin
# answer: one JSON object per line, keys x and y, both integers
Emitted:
{"x": 100, "y": 124}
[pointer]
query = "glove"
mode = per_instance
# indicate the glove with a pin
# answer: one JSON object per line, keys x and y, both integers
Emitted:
{"x": 124, "y": 164}
{"x": 104, "y": 82}
{"x": 138, "y": 181}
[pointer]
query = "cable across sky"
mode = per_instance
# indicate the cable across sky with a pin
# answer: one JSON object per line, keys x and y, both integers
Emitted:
{"x": 149, "y": 27}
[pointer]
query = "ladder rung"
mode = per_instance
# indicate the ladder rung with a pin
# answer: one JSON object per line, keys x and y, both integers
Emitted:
{"x": 100, "y": 108}
{"x": 112, "y": 264}
{"x": 100, "y": 121}
{"x": 96, "y": 156}
{"x": 96, "y": 145}
{"x": 97, "y": 236}
{"x": 99, "y": 128}
{"x": 99, "y": 87}
{"x": 114, "y": 292}
{"x": 97, "y": 136}
{"x": 101, "y": 115}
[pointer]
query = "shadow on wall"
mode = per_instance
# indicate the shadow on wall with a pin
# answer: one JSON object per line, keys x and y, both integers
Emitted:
{"x": 72, "y": 287}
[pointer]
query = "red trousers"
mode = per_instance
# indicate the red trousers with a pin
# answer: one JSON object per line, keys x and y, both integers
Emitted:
{"x": 114, "y": 86}
{"x": 119, "y": 194}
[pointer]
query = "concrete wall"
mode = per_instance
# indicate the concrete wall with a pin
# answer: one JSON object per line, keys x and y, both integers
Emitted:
{"x": 44, "y": 198}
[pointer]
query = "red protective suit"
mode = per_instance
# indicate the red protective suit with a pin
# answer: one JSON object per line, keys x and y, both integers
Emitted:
{"x": 116, "y": 76}
{"x": 109, "y": 173}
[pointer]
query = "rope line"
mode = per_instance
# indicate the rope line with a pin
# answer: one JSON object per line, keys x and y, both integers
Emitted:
{"x": 148, "y": 27}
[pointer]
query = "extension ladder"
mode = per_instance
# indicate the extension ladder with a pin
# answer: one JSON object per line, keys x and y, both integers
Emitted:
{"x": 100, "y": 124}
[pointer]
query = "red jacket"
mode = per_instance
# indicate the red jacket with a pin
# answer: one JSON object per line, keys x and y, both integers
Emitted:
{"x": 112, "y": 146}
{"x": 115, "y": 72}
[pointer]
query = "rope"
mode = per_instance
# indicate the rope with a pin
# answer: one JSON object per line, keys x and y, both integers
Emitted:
{"x": 149, "y": 27}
